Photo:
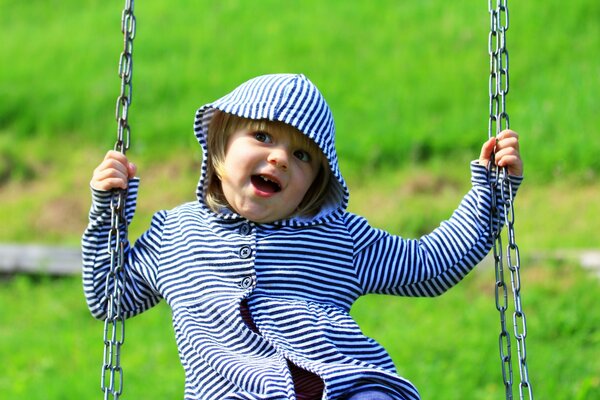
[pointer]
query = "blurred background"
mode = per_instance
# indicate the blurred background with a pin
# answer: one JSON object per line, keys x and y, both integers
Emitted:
{"x": 408, "y": 86}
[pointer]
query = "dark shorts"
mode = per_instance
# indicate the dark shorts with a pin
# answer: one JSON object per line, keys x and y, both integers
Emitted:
{"x": 370, "y": 395}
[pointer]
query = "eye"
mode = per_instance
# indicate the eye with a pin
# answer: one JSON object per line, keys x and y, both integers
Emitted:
{"x": 302, "y": 155}
{"x": 263, "y": 137}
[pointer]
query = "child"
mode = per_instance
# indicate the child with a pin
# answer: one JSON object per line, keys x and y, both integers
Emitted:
{"x": 262, "y": 270}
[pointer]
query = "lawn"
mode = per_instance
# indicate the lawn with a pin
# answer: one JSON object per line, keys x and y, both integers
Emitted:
{"x": 408, "y": 85}
{"x": 448, "y": 346}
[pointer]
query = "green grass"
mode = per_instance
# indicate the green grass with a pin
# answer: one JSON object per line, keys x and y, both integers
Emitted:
{"x": 453, "y": 339}
{"x": 54, "y": 348}
{"x": 448, "y": 346}
{"x": 408, "y": 88}
{"x": 407, "y": 82}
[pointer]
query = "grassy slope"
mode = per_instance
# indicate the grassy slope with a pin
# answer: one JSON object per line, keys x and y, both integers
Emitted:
{"x": 422, "y": 68}
{"x": 413, "y": 78}
{"x": 410, "y": 202}
{"x": 408, "y": 87}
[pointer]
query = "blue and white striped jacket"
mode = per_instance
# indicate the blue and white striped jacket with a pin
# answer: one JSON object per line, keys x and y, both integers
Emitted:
{"x": 299, "y": 277}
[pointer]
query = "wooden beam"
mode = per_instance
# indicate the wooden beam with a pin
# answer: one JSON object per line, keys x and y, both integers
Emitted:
{"x": 39, "y": 259}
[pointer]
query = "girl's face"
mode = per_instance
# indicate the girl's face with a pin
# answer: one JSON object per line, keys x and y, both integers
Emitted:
{"x": 266, "y": 173}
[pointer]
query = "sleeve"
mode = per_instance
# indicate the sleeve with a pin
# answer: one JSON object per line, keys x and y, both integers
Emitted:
{"x": 432, "y": 264}
{"x": 140, "y": 261}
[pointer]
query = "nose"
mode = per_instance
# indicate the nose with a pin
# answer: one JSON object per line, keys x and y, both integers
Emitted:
{"x": 279, "y": 158}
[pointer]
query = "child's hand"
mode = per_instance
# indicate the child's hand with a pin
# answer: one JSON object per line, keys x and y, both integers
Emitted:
{"x": 507, "y": 154}
{"x": 113, "y": 172}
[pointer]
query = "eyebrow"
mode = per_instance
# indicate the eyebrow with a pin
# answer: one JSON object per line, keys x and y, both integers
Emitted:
{"x": 299, "y": 140}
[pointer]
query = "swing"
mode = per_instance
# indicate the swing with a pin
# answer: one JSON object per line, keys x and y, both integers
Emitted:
{"x": 498, "y": 121}
{"x": 114, "y": 324}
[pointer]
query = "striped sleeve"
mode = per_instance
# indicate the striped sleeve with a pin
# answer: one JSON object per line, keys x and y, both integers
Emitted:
{"x": 140, "y": 260}
{"x": 432, "y": 264}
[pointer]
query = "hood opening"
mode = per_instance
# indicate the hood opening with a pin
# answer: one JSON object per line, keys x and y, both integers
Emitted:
{"x": 295, "y": 101}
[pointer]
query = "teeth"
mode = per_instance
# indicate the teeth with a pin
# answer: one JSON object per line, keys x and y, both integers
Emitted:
{"x": 264, "y": 178}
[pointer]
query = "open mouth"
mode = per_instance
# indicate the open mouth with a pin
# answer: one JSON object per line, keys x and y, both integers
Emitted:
{"x": 265, "y": 184}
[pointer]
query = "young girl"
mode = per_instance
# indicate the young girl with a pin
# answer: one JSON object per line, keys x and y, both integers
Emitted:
{"x": 262, "y": 269}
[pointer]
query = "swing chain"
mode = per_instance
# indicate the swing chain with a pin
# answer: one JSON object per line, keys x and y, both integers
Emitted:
{"x": 503, "y": 207}
{"x": 114, "y": 324}
{"x": 128, "y": 26}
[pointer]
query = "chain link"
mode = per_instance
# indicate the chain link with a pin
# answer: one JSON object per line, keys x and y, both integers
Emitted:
{"x": 114, "y": 325}
{"x": 503, "y": 208}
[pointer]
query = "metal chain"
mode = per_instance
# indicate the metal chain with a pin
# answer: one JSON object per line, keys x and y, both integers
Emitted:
{"x": 503, "y": 207}
{"x": 114, "y": 325}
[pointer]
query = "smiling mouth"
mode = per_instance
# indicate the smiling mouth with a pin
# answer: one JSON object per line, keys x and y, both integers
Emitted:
{"x": 265, "y": 184}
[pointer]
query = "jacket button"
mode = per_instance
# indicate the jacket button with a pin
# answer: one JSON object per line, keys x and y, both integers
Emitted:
{"x": 246, "y": 282}
{"x": 245, "y": 229}
{"x": 245, "y": 252}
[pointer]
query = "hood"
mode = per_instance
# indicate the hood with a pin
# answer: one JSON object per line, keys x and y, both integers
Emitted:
{"x": 288, "y": 98}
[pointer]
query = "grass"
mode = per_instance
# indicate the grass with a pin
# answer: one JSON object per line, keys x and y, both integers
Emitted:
{"x": 412, "y": 75}
{"x": 409, "y": 201}
{"x": 448, "y": 346}
{"x": 407, "y": 82}
{"x": 408, "y": 88}
{"x": 55, "y": 348}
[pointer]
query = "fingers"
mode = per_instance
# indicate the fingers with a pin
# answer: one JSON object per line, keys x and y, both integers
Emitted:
{"x": 113, "y": 172}
{"x": 486, "y": 151}
{"x": 506, "y": 151}
{"x": 131, "y": 169}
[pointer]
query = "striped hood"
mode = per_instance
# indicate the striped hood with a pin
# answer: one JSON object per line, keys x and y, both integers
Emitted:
{"x": 288, "y": 98}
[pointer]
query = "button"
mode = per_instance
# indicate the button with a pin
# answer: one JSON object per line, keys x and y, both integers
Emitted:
{"x": 245, "y": 252}
{"x": 246, "y": 282}
{"x": 245, "y": 229}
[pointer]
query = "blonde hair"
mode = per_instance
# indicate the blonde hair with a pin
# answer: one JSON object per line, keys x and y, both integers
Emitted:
{"x": 220, "y": 128}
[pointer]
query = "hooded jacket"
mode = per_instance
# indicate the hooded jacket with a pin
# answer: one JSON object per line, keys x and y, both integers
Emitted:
{"x": 299, "y": 277}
